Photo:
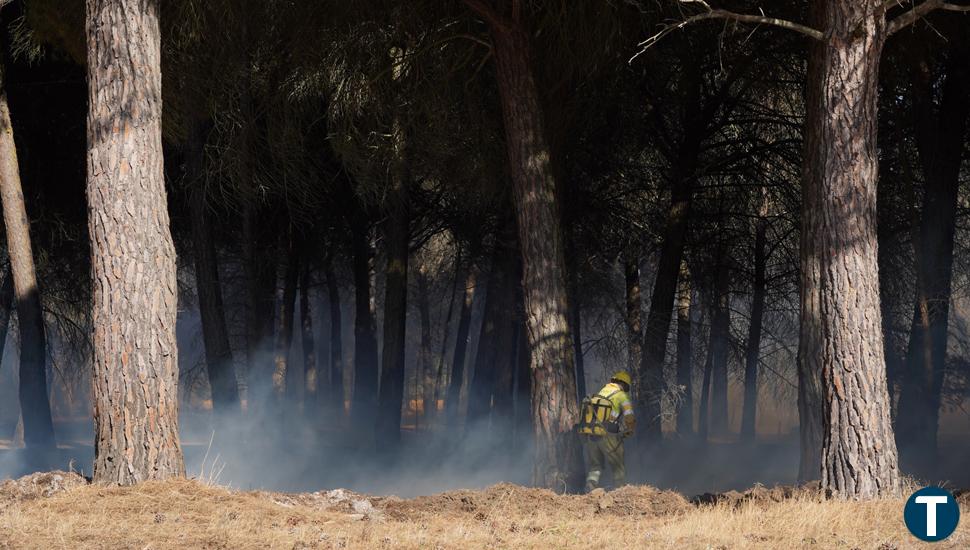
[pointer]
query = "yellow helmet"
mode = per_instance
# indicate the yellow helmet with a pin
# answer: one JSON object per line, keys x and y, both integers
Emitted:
{"x": 623, "y": 376}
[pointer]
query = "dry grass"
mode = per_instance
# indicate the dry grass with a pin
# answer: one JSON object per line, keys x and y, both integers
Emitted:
{"x": 189, "y": 514}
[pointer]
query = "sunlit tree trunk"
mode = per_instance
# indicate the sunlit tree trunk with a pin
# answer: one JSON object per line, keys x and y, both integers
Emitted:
{"x": 215, "y": 336}
{"x": 940, "y": 135}
{"x": 133, "y": 263}
{"x": 753, "y": 350}
{"x": 34, "y": 404}
{"x": 841, "y": 338}
{"x": 558, "y": 459}
{"x": 685, "y": 414}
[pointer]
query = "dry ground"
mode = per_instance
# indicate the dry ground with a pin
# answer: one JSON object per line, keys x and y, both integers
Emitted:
{"x": 61, "y": 510}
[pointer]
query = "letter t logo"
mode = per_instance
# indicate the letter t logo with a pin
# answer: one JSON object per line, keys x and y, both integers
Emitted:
{"x": 931, "y": 502}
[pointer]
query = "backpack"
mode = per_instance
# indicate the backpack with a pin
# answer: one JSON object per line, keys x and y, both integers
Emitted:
{"x": 594, "y": 415}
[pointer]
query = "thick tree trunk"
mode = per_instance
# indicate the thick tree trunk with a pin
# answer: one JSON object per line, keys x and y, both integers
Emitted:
{"x": 685, "y": 414}
{"x": 336, "y": 373}
{"x": 364, "y": 398}
{"x": 555, "y": 409}
{"x": 495, "y": 339}
{"x": 457, "y": 377}
{"x": 396, "y": 240}
{"x": 940, "y": 142}
{"x": 218, "y": 354}
{"x": 135, "y": 298}
{"x": 719, "y": 346}
{"x": 311, "y": 378}
{"x": 752, "y": 353}
{"x": 34, "y": 404}
{"x": 284, "y": 335}
{"x": 841, "y": 338}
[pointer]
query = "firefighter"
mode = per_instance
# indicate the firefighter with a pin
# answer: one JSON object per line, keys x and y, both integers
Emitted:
{"x": 606, "y": 420}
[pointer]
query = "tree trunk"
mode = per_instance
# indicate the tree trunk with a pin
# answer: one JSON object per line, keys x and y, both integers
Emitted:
{"x": 940, "y": 143}
{"x": 38, "y": 427}
{"x": 442, "y": 355}
{"x": 703, "y": 413}
{"x": 503, "y": 389}
{"x": 576, "y": 314}
{"x": 397, "y": 241}
{"x": 260, "y": 270}
{"x": 284, "y": 335}
{"x": 457, "y": 377}
{"x": 135, "y": 298}
{"x": 496, "y": 335}
{"x": 311, "y": 378}
{"x": 685, "y": 414}
{"x": 522, "y": 421}
{"x": 218, "y": 353}
{"x": 336, "y": 340}
{"x": 559, "y": 462}
{"x": 753, "y": 352}
{"x": 364, "y": 398}
{"x": 425, "y": 365}
{"x": 719, "y": 346}
{"x": 6, "y": 304}
{"x": 841, "y": 338}
{"x": 634, "y": 314}
{"x": 651, "y": 378}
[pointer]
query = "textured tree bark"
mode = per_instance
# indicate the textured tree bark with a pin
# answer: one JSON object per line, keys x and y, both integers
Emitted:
{"x": 685, "y": 414}
{"x": 336, "y": 339}
{"x": 218, "y": 354}
{"x": 753, "y": 351}
{"x": 364, "y": 398}
{"x": 34, "y": 404}
{"x": 496, "y": 337}
{"x": 841, "y": 332}
{"x": 457, "y": 377}
{"x": 284, "y": 335}
{"x": 719, "y": 349}
{"x": 940, "y": 134}
{"x": 133, "y": 264}
{"x": 311, "y": 378}
{"x": 558, "y": 459}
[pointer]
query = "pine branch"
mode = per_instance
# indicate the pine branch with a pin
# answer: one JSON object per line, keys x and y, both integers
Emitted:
{"x": 712, "y": 13}
{"x": 906, "y": 19}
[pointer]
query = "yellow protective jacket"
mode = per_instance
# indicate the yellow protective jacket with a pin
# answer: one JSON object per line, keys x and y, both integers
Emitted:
{"x": 622, "y": 406}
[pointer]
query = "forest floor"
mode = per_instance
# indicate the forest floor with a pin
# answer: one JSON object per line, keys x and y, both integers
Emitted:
{"x": 62, "y": 510}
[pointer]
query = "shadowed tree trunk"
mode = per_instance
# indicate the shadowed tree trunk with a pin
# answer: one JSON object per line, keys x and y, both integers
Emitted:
{"x": 218, "y": 354}
{"x": 311, "y": 378}
{"x": 261, "y": 271}
{"x": 34, "y": 404}
{"x": 753, "y": 351}
{"x": 719, "y": 345}
{"x": 396, "y": 240}
{"x": 634, "y": 314}
{"x": 457, "y": 377}
{"x": 940, "y": 134}
{"x": 283, "y": 396}
{"x": 503, "y": 389}
{"x": 6, "y": 304}
{"x": 841, "y": 339}
{"x": 496, "y": 335}
{"x": 439, "y": 383}
{"x": 364, "y": 398}
{"x": 685, "y": 414}
{"x": 522, "y": 422}
{"x": 576, "y": 313}
{"x": 703, "y": 412}
{"x": 425, "y": 365}
{"x": 336, "y": 373}
{"x": 558, "y": 458}
{"x": 133, "y": 264}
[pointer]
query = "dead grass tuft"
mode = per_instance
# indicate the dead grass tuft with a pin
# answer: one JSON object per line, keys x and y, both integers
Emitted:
{"x": 69, "y": 513}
